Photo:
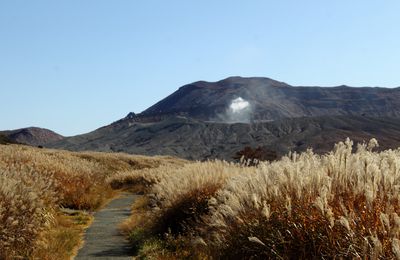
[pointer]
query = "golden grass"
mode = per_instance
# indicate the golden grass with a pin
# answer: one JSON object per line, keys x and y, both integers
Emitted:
{"x": 36, "y": 183}
{"x": 176, "y": 197}
{"x": 344, "y": 204}
{"x": 142, "y": 179}
{"x": 61, "y": 240}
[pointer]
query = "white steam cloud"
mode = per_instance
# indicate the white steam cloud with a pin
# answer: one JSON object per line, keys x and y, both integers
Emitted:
{"x": 238, "y": 104}
{"x": 239, "y": 111}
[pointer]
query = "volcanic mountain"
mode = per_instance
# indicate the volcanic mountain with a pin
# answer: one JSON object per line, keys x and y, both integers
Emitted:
{"x": 204, "y": 120}
{"x": 272, "y": 100}
{"x": 31, "y": 136}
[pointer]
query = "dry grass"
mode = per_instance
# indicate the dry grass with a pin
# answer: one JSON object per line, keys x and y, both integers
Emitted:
{"x": 36, "y": 183}
{"x": 344, "y": 204}
{"x": 177, "y": 197}
{"x": 60, "y": 241}
{"x": 181, "y": 196}
{"x": 339, "y": 205}
{"x": 142, "y": 179}
{"x": 27, "y": 206}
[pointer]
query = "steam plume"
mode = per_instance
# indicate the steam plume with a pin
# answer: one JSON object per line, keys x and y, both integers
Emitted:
{"x": 239, "y": 111}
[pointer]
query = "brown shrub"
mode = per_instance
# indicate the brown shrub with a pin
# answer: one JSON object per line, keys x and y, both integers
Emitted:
{"x": 253, "y": 156}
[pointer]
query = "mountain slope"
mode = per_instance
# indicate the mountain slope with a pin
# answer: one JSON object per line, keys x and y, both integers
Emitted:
{"x": 32, "y": 136}
{"x": 5, "y": 140}
{"x": 194, "y": 139}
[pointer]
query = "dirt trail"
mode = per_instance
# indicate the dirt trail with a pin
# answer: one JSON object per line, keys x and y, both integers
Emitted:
{"x": 102, "y": 239}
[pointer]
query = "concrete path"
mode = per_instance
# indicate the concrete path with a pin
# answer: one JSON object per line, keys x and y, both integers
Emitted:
{"x": 102, "y": 239}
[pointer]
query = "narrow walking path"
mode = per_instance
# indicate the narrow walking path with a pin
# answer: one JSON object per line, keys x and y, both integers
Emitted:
{"x": 102, "y": 239}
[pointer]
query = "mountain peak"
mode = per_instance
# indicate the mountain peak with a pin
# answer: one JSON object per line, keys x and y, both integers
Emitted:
{"x": 240, "y": 78}
{"x": 237, "y": 80}
{"x": 131, "y": 115}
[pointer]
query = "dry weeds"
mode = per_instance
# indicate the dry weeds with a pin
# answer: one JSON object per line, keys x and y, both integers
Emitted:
{"x": 344, "y": 204}
{"x": 36, "y": 183}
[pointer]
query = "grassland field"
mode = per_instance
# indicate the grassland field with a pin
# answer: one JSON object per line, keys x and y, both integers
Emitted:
{"x": 343, "y": 204}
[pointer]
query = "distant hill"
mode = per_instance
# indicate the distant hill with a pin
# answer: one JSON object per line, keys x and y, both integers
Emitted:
{"x": 206, "y": 120}
{"x": 31, "y": 136}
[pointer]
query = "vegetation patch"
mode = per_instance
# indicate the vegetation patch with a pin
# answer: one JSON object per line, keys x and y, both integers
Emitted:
{"x": 344, "y": 204}
{"x": 61, "y": 241}
{"x": 35, "y": 184}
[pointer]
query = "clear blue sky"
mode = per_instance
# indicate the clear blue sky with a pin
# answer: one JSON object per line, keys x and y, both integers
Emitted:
{"x": 75, "y": 65}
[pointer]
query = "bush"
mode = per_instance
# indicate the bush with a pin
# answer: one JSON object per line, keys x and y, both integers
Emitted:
{"x": 253, "y": 156}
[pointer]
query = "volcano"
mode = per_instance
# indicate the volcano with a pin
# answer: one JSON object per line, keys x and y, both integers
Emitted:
{"x": 206, "y": 120}
{"x": 272, "y": 100}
